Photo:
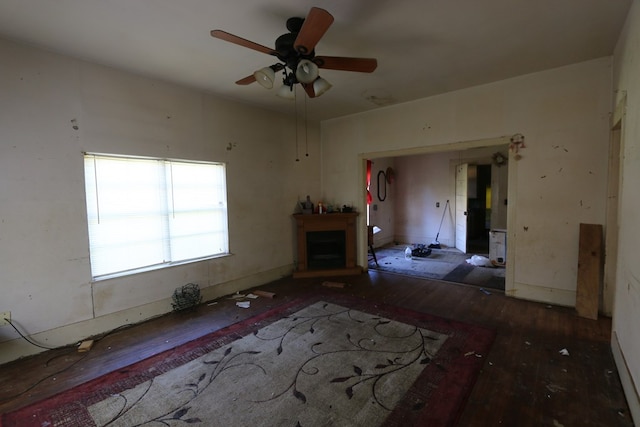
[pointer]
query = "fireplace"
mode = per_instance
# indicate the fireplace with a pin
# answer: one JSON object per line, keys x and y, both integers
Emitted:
{"x": 326, "y": 249}
{"x": 326, "y": 245}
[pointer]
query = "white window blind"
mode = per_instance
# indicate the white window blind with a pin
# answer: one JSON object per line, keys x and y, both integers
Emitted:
{"x": 146, "y": 213}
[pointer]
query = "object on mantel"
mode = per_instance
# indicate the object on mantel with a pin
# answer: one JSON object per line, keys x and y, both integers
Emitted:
{"x": 307, "y": 208}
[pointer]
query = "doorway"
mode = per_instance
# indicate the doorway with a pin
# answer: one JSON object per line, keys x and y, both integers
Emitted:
{"x": 422, "y": 205}
{"x": 480, "y": 204}
{"x": 478, "y": 209}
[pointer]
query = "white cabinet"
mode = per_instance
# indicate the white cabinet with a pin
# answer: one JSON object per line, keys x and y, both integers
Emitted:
{"x": 498, "y": 246}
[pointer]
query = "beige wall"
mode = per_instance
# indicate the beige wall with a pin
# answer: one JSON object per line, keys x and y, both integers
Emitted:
{"x": 423, "y": 181}
{"x": 559, "y": 183}
{"x": 626, "y": 315}
{"x": 45, "y": 277}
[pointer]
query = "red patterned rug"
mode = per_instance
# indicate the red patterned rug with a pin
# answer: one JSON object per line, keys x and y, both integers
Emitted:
{"x": 331, "y": 360}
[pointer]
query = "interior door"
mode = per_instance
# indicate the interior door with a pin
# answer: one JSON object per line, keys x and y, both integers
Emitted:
{"x": 461, "y": 207}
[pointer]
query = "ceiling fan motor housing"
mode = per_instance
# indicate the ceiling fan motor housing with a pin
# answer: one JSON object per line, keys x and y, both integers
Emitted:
{"x": 294, "y": 24}
{"x": 287, "y": 53}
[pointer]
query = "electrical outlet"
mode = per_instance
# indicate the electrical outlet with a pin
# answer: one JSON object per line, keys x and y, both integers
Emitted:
{"x": 5, "y": 315}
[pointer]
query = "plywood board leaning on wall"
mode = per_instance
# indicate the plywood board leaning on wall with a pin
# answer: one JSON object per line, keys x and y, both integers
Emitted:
{"x": 589, "y": 270}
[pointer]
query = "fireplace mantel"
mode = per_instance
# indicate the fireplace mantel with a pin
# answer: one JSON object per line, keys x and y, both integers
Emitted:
{"x": 326, "y": 223}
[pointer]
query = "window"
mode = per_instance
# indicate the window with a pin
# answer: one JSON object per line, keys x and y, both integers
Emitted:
{"x": 147, "y": 213}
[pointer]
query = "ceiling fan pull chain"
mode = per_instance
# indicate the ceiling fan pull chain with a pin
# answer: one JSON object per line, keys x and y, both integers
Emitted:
{"x": 295, "y": 111}
{"x": 306, "y": 125}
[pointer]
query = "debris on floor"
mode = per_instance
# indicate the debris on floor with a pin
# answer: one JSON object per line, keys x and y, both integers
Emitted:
{"x": 480, "y": 261}
{"x": 186, "y": 297}
{"x": 334, "y": 284}
{"x": 555, "y": 388}
{"x": 243, "y": 304}
{"x": 420, "y": 251}
{"x": 265, "y": 294}
{"x": 85, "y": 346}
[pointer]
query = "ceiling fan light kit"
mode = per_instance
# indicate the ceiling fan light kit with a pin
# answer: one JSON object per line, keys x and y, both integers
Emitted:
{"x": 306, "y": 71}
{"x": 286, "y": 92}
{"x": 296, "y": 51}
{"x": 265, "y": 77}
{"x": 320, "y": 86}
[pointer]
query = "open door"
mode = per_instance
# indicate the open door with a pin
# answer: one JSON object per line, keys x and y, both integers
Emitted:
{"x": 461, "y": 207}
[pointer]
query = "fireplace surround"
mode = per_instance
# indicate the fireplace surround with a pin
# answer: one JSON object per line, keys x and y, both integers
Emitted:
{"x": 326, "y": 245}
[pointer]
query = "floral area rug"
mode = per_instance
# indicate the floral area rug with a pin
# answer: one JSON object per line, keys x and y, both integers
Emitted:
{"x": 329, "y": 362}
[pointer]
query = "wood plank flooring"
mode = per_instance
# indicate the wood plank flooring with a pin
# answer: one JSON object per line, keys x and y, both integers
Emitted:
{"x": 525, "y": 380}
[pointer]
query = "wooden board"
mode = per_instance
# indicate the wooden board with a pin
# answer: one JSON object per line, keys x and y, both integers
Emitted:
{"x": 589, "y": 271}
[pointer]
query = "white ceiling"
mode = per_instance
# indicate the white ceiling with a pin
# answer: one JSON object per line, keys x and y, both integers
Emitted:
{"x": 423, "y": 47}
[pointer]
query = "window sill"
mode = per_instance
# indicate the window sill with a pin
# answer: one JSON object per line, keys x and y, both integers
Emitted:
{"x": 156, "y": 267}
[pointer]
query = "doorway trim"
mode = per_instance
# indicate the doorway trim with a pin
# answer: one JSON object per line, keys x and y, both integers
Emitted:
{"x": 612, "y": 221}
{"x": 459, "y": 146}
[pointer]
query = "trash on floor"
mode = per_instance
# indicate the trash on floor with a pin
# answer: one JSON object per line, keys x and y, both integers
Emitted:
{"x": 564, "y": 352}
{"x": 265, "y": 294}
{"x": 420, "y": 251}
{"x": 479, "y": 261}
{"x": 334, "y": 284}
{"x": 187, "y": 296}
{"x": 243, "y": 304}
{"x": 85, "y": 346}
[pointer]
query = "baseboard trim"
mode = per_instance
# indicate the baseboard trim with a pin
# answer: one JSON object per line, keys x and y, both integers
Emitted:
{"x": 562, "y": 297}
{"x": 74, "y": 333}
{"x": 628, "y": 385}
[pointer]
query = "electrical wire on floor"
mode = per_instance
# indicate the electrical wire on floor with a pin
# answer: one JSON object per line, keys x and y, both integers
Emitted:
{"x": 95, "y": 339}
{"x": 70, "y": 346}
{"x": 25, "y": 337}
{"x": 40, "y": 381}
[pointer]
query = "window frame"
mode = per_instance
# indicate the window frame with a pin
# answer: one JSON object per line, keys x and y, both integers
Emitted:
{"x": 167, "y": 195}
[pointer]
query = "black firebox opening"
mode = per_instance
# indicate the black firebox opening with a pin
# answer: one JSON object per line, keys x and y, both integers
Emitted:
{"x": 326, "y": 249}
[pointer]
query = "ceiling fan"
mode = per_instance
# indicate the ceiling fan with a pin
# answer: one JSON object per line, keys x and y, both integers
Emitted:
{"x": 298, "y": 61}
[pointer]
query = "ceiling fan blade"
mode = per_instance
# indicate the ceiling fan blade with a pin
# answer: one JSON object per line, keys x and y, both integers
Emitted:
{"x": 315, "y": 25}
{"x": 223, "y": 35}
{"x": 247, "y": 80}
{"x": 308, "y": 87}
{"x": 362, "y": 65}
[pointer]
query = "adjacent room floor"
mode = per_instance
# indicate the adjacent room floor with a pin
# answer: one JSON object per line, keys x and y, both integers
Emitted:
{"x": 448, "y": 264}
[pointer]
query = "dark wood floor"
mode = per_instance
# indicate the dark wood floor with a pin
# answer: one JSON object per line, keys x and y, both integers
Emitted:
{"x": 525, "y": 380}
